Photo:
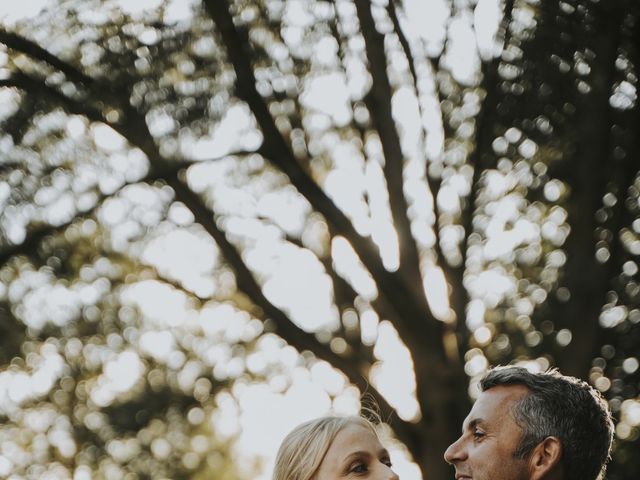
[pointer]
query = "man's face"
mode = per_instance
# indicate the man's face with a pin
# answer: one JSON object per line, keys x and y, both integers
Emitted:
{"x": 489, "y": 437}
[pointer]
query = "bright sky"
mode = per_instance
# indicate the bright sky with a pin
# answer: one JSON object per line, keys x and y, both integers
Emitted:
{"x": 10, "y": 12}
{"x": 13, "y": 11}
{"x": 266, "y": 416}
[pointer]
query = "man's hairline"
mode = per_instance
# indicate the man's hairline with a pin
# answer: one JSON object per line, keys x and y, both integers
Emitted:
{"x": 515, "y": 402}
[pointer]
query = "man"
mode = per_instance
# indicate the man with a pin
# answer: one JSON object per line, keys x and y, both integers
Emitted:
{"x": 533, "y": 426}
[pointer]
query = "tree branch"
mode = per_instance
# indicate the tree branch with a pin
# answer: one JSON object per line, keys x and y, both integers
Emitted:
{"x": 134, "y": 128}
{"x": 410, "y": 310}
{"x": 290, "y": 332}
{"x": 485, "y": 123}
{"x": 453, "y": 273}
{"x": 434, "y": 186}
{"x": 24, "y": 45}
{"x": 380, "y": 305}
{"x": 34, "y": 86}
{"x": 479, "y": 158}
{"x": 40, "y": 233}
{"x": 378, "y": 101}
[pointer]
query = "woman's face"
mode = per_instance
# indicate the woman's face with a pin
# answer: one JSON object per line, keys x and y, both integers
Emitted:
{"x": 356, "y": 453}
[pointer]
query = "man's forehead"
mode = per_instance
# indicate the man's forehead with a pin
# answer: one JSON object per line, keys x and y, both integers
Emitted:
{"x": 495, "y": 402}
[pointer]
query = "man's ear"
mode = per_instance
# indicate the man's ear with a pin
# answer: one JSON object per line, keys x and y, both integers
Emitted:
{"x": 544, "y": 461}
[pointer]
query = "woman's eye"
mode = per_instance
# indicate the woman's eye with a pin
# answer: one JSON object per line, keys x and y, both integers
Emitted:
{"x": 359, "y": 468}
{"x": 387, "y": 462}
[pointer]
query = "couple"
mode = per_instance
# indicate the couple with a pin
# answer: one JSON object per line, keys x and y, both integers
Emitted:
{"x": 523, "y": 426}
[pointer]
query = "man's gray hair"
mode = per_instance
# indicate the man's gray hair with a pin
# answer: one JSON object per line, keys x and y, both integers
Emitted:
{"x": 563, "y": 407}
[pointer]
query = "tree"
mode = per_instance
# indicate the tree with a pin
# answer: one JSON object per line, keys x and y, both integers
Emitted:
{"x": 510, "y": 181}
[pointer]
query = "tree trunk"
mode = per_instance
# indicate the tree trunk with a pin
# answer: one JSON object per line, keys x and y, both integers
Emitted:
{"x": 585, "y": 276}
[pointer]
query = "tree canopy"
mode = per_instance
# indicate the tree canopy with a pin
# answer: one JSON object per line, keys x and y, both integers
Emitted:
{"x": 387, "y": 197}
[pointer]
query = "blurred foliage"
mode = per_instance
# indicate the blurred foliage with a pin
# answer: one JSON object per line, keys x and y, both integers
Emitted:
{"x": 86, "y": 395}
{"x": 183, "y": 181}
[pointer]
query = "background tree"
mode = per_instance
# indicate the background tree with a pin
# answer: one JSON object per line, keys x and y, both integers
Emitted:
{"x": 334, "y": 172}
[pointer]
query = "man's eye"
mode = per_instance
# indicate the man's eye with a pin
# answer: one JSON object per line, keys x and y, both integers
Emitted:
{"x": 478, "y": 434}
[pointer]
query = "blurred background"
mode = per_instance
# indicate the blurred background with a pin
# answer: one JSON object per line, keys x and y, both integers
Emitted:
{"x": 220, "y": 218}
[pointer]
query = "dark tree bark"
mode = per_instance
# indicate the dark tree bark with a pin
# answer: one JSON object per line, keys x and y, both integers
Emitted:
{"x": 585, "y": 276}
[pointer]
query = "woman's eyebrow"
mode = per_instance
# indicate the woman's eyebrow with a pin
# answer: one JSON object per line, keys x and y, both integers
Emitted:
{"x": 358, "y": 453}
{"x": 362, "y": 453}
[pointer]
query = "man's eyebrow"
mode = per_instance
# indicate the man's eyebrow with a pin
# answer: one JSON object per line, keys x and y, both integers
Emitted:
{"x": 472, "y": 424}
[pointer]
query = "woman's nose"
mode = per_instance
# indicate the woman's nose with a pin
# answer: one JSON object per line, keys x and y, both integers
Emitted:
{"x": 393, "y": 475}
{"x": 386, "y": 473}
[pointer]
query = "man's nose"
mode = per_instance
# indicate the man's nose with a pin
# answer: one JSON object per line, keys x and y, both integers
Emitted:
{"x": 455, "y": 452}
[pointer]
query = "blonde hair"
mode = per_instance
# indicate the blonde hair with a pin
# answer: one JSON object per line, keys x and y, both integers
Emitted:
{"x": 304, "y": 448}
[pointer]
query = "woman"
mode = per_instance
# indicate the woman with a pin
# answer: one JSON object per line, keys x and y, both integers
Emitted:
{"x": 332, "y": 448}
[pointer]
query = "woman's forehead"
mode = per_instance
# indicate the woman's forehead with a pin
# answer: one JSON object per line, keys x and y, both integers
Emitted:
{"x": 356, "y": 433}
